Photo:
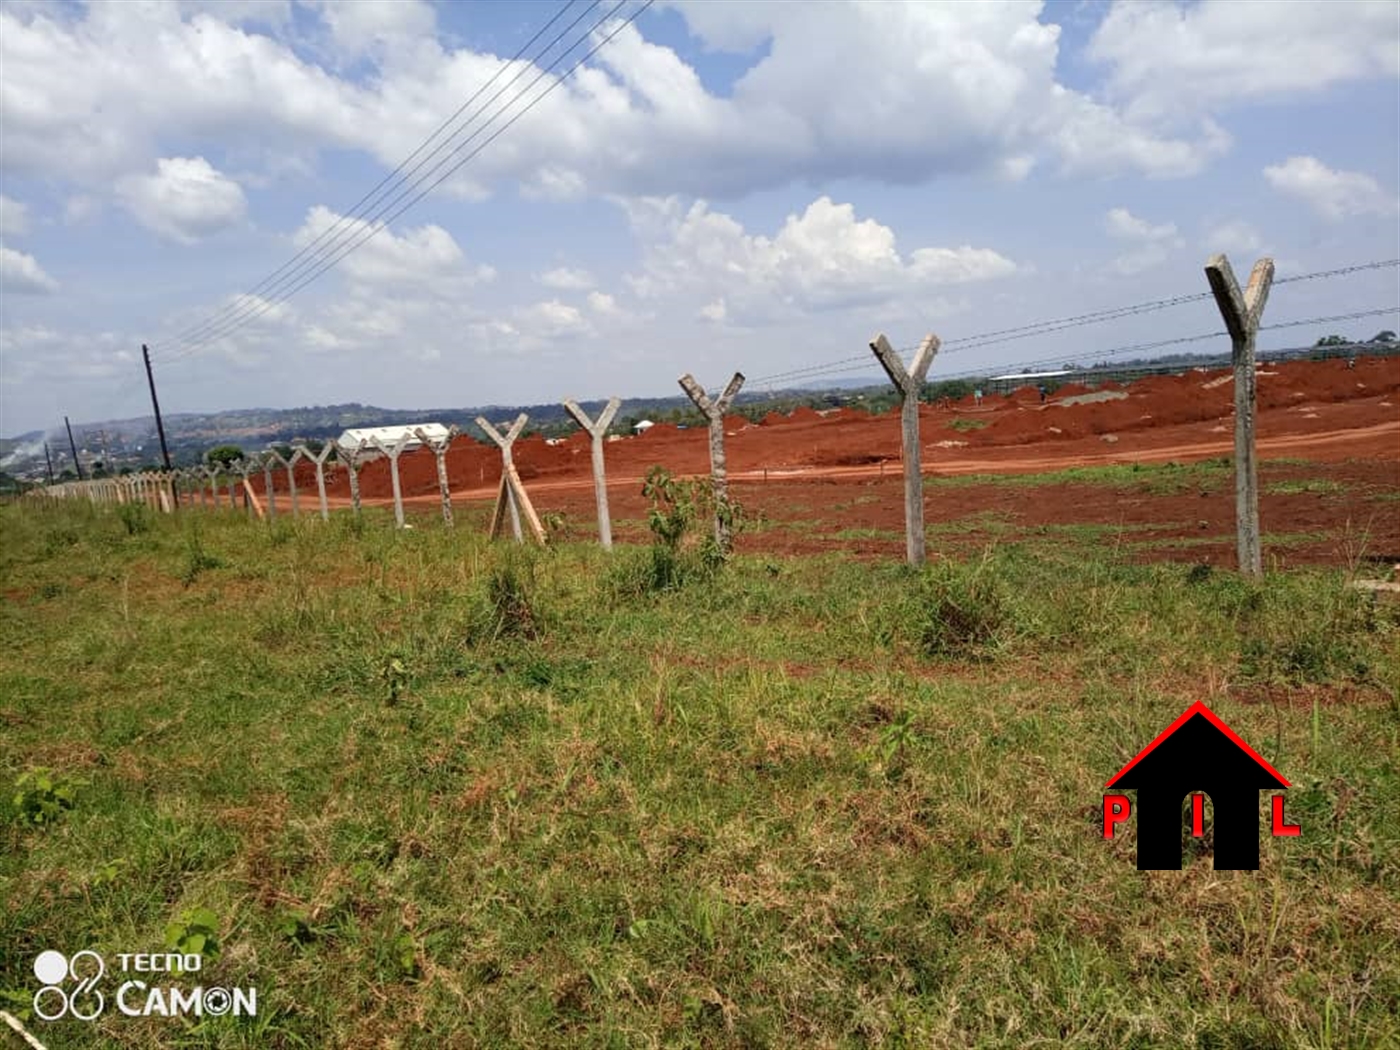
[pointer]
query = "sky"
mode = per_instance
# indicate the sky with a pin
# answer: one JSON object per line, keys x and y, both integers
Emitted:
{"x": 723, "y": 186}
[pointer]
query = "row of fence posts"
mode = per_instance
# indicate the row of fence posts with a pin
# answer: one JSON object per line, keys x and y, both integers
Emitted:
{"x": 1242, "y": 313}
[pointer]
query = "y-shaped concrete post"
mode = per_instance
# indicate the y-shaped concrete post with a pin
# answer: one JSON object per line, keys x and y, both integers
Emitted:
{"x": 598, "y": 431}
{"x": 319, "y": 458}
{"x": 392, "y": 451}
{"x": 289, "y": 464}
{"x": 439, "y": 449}
{"x": 908, "y": 383}
{"x": 268, "y": 458}
{"x": 719, "y": 476}
{"x": 512, "y": 497}
{"x": 353, "y": 458}
{"x": 1242, "y": 314}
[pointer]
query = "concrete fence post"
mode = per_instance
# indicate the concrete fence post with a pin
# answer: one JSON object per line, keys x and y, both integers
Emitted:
{"x": 393, "y": 451}
{"x": 598, "y": 432}
{"x": 268, "y": 458}
{"x": 512, "y": 498}
{"x": 319, "y": 458}
{"x": 353, "y": 460}
{"x": 439, "y": 450}
{"x": 719, "y": 476}
{"x": 1242, "y": 314}
{"x": 211, "y": 476}
{"x": 907, "y": 384}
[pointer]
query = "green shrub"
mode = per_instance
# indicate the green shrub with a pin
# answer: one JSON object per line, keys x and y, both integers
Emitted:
{"x": 135, "y": 516}
{"x": 963, "y": 609}
{"x": 42, "y": 797}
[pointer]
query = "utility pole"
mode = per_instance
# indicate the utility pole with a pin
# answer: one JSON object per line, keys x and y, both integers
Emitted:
{"x": 48, "y": 461}
{"x": 160, "y": 426}
{"x": 74, "y": 446}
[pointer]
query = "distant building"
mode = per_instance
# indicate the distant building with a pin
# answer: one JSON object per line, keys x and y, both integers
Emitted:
{"x": 392, "y": 435}
{"x": 642, "y": 426}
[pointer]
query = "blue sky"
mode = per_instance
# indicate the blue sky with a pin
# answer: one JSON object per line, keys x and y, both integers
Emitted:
{"x": 726, "y": 186}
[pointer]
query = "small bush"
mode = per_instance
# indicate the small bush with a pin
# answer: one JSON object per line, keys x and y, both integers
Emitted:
{"x": 194, "y": 932}
{"x": 197, "y": 559}
{"x": 135, "y": 516}
{"x": 963, "y": 610}
{"x": 683, "y": 549}
{"x": 42, "y": 797}
{"x": 508, "y": 608}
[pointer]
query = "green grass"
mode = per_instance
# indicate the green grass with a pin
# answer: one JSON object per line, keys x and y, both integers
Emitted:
{"x": 1319, "y": 486}
{"x": 437, "y": 793}
{"x": 1156, "y": 478}
{"x": 967, "y": 424}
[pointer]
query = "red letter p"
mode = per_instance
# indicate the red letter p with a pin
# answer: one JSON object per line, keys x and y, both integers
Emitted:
{"x": 1116, "y": 809}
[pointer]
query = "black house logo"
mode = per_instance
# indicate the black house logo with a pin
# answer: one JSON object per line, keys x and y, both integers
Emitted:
{"x": 1196, "y": 755}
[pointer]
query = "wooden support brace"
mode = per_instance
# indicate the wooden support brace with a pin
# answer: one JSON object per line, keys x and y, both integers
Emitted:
{"x": 511, "y": 494}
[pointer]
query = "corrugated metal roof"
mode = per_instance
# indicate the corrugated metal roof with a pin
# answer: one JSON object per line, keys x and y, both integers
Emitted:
{"x": 392, "y": 435}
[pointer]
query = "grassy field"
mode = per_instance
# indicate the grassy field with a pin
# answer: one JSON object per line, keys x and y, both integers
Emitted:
{"x": 424, "y": 792}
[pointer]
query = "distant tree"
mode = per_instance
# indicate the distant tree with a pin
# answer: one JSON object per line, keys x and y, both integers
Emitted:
{"x": 1332, "y": 340}
{"x": 1386, "y": 336}
{"x": 66, "y": 474}
{"x": 224, "y": 455}
{"x": 98, "y": 468}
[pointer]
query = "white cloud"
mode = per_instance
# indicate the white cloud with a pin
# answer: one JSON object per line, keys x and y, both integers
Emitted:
{"x": 425, "y": 259}
{"x": 22, "y": 274}
{"x": 1332, "y": 194}
{"x": 552, "y": 320}
{"x": 1180, "y": 60}
{"x": 943, "y": 89}
{"x": 1123, "y": 224}
{"x": 1235, "y": 237}
{"x": 822, "y": 259}
{"x": 567, "y": 280}
{"x": 14, "y": 217}
{"x": 365, "y": 26}
{"x": 1152, "y": 245}
{"x": 186, "y": 200}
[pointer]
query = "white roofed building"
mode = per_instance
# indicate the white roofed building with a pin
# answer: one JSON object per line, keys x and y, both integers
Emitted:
{"x": 387, "y": 436}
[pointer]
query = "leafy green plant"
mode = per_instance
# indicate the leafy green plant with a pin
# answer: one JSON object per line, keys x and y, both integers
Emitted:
{"x": 197, "y": 559}
{"x": 135, "y": 516}
{"x": 394, "y": 674}
{"x": 42, "y": 796}
{"x": 194, "y": 932}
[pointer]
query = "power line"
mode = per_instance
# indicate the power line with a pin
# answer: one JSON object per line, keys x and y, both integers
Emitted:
{"x": 992, "y": 338}
{"x": 371, "y": 230}
{"x": 397, "y": 175}
{"x": 866, "y": 363}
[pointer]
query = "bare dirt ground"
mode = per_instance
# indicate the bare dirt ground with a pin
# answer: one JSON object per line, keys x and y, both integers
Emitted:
{"x": 1329, "y": 439}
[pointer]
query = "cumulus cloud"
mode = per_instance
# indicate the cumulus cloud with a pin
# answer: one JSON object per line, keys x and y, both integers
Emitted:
{"x": 1151, "y": 244}
{"x": 567, "y": 280}
{"x": 1178, "y": 60}
{"x": 943, "y": 89}
{"x": 1331, "y": 193}
{"x": 186, "y": 200}
{"x": 14, "y": 217}
{"x": 1122, "y": 223}
{"x": 823, "y": 259}
{"x": 1235, "y": 237}
{"x": 21, "y": 274}
{"x": 425, "y": 258}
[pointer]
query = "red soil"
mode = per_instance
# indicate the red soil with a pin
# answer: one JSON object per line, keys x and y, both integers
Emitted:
{"x": 1320, "y": 411}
